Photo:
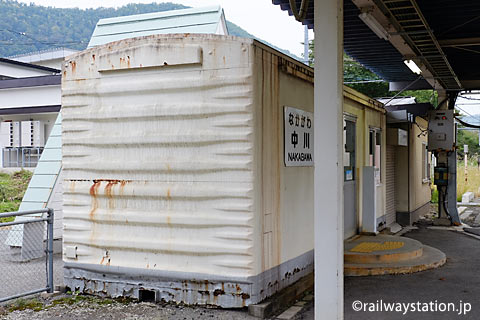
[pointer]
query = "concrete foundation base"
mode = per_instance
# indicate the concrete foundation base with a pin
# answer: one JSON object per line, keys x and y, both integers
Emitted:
{"x": 188, "y": 288}
{"x": 442, "y": 222}
{"x": 282, "y": 299}
{"x": 409, "y": 218}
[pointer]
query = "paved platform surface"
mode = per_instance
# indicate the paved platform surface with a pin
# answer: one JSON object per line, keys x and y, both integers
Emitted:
{"x": 380, "y": 248}
{"x": 385, "y": 254}
{"x": 457, "y": 282}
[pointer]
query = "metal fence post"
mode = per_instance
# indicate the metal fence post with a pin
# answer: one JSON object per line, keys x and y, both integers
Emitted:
{"x": 50, "y": 215}
{"x": 14, "y": 234}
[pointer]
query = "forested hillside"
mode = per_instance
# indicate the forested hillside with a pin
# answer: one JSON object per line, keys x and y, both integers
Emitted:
{"x": 27, "y": 27}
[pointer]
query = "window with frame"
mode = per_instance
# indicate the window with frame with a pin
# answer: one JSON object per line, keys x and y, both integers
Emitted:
{"x": 375, "y": 152}
{"x": 425, "y": 163}
{"x": 349, "y": 159}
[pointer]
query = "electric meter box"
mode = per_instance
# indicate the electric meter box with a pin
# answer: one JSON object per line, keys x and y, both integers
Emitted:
{"x": 441, "y": 130}
{"x": 440, "y": 176}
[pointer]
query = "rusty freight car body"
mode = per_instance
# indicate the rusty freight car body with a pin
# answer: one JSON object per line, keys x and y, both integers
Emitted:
{"x": 174, "y": 173}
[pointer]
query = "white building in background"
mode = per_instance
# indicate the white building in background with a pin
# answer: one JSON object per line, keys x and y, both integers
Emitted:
{"x": 51, "y": 58}
{"x": 30, "y": 101}
{"x": 30, "y": 129}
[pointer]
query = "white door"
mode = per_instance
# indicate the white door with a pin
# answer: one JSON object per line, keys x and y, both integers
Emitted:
{"x": 349, "y": 178}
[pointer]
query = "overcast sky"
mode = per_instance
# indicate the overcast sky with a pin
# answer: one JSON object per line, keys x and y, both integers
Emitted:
{"x": 470, "y": 104}
{"x": 258, "y": 17}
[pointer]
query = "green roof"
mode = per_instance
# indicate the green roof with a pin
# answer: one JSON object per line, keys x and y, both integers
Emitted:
{"x": 194, "y": 20}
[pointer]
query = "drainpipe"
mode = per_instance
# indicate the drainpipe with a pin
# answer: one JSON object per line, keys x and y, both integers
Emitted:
{"x": 410, "y": 126}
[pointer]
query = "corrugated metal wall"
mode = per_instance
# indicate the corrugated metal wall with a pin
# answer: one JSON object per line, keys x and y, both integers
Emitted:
{"x": 158, "y": 162}
{"x": 173, "y": 166}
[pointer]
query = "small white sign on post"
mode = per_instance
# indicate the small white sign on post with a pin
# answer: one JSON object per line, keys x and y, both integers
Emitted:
{"x": 298, "y": 137}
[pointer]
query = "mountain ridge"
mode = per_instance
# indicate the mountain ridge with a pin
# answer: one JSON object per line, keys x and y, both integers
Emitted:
{"x": 26, "y": 28}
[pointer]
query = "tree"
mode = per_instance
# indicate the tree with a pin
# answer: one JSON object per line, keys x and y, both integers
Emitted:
{"x": 470, "y": 138}
{"x": 28, "y": 28}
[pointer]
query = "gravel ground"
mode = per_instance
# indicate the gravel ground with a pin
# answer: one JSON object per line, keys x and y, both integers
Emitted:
{"x": 88, "y": 308}
{"x": 471, "y": 215}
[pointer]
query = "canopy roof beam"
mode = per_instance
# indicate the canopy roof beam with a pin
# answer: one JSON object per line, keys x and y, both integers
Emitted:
{"x": 409, "y": 8}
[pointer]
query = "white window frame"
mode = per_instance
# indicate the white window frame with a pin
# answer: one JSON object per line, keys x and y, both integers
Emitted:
{"x": 425, "y": 163}
{"x": 378, "y": 171}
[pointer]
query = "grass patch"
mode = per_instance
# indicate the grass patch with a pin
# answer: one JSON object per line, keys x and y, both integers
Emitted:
{"x": 73, "y": 298}
{"x": 69, "y": 300}
{"x": 22, "y": 304}
{"x": 12, "y": 190}
{"x": 473, "y": 180}
{"x": 434, "y": 194}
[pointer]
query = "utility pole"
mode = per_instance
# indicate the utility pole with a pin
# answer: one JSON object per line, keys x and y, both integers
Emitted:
{"x": 465, "y": 155}
{"x": 306, "y": 46}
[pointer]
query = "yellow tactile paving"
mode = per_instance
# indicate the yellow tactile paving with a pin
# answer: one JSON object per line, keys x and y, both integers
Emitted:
{"x": 367, "y": 247}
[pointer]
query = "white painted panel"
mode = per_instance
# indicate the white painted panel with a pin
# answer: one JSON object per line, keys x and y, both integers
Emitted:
{"x": 55, "y": 202}
{"x": 151, "y": 55}
{"x": 16, "y": 134}
{"x": 38, "y": 134}
{"x": 48, "y": 167}
{"x": 42, "y": 181}
{"x": 37, "y": 194}
{"x": 26, "y": 134}
{"x": 159, "y": 169}
{"x": 16, "y": 71}
{"x": 51, "y": 155}
{"x": 30, "y": 96}
{"x": 5, "y": 128}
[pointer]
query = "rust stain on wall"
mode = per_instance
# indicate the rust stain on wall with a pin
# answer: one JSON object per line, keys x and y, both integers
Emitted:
{"x": 169, "y": 221}
{"x": 72, "y": 186}
{"x": 74, "y": 66}
{"x": 109, "y": 193}
{"x": 93, "y": 194}
{"x": 122, "y": 187}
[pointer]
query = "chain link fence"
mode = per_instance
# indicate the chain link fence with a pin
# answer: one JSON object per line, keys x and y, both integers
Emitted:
{"x": 26, "y": 253}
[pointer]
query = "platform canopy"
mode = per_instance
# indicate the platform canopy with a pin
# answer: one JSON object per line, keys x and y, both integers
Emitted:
{"x": 442, "y": 37}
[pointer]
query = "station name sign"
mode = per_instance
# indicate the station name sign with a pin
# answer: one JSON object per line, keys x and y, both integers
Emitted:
{"x": 298, "y": 137}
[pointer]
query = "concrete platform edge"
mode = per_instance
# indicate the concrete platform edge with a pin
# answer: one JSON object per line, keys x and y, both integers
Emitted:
{"x": 287, "y": 296}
